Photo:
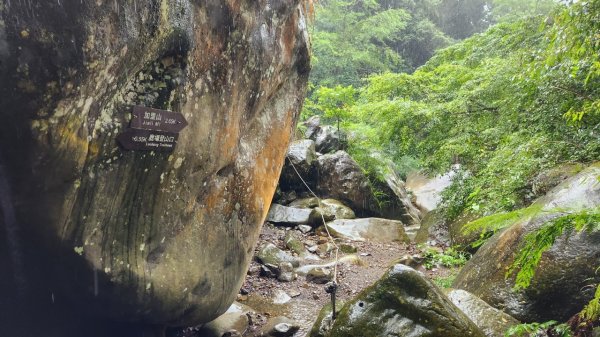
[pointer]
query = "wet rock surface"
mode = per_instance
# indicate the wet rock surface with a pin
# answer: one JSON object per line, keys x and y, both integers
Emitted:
{"x": 493, "y": 322}
{"x": 111, "y": 227}
{"x": 561, "y": 285}
{"x": 402, "y": 303}
{"x": 371, "y": 229}
{"x": 269, "y": 254}
{"x": 327, "y": 137}
{"x": 291, "y": 216}
{"x": 298, "y": 166}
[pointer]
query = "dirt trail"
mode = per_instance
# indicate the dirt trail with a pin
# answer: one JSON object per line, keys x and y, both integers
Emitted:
{"x": 308, "y": 298}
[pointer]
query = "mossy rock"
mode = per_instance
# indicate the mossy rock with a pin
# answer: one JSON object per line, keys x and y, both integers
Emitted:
{"x": 402, "y": 303}
{"x": 560, "y": 287}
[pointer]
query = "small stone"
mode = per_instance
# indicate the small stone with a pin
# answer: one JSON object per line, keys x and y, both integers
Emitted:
{"x": 280, "y": 297}
{"x": 268, "y": 253}
{"x": 286, "y": 272}
{"x": 322, "y": 239}
{"x": 325, "y": 248}
{"x": 292, "y": 242}
{"x": 304, "y": 228}
{"x": 294, "y": 293}
{"x": 319, "y": 275}
{"x": 281, "y": 327}
{"x": 232, "y": 333}
{"x": 348, "y": 249}
{"x": 411, "y": 260}
{"x": 267, "y": 272}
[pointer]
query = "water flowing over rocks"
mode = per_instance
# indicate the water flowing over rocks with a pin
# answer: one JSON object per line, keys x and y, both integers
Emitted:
{"x": 159, "y": 238}
{"x": 561, "y": 285}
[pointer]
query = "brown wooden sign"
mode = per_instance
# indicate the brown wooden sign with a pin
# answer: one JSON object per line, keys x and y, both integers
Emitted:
{"x": 147, "y": 140}
{"x": 152, "y": 130}
{"x": 154, "y": 119}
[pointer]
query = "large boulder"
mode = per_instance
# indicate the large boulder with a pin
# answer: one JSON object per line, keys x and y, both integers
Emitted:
{"x": 433, "y": 229}
{"x": 298, "y": 167}
{"x": 369, "y": 229}
{"x": 291, "y": 216}
{"x": 398, "y": 202}
{"x": 340, "y": 177}
{"x": 327, "y": 138}
{"x": 561, "y": 286}
{"x": 332, "y": 209}
{"x": 493, "y": 322}
{"x": 155, "y": 238}
{"x": 402, "y": 303}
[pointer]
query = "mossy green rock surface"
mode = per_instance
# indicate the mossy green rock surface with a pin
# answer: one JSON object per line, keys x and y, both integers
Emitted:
{"x": 402, "y": 303}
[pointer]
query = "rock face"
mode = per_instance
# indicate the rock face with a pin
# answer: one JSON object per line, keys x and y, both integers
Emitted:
{"x": 560, "y": 286}
{"x": 402, "y": 303}
{"x": 299, "y": 161}
{"x": 333, "y": 210}
{"x": 492, "y": 321}
{"x": 327, "y": 138}
{"x": 159, "y": 238}
{"x": 339, "y": 177}
{"x": 399, "y": 200}
{"x": 372, "y": 229}
{"x": 291, "y": 216}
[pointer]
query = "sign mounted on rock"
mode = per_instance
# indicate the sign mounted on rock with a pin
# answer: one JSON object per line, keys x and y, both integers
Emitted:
{"x": 154, "y": 119}
{"x": 152, "y": 130}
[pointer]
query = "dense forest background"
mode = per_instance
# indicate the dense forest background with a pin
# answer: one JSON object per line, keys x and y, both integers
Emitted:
{"x": 519, "y": 96}
{"x": 503, "y": 91}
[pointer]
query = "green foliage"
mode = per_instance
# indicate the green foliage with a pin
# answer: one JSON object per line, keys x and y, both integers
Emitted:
{"x": 445, "y": 282}
{"x": 333, "y": 103}
{"x": 495, "y": 222}
{"x": 449, "y": 258}
{"x": 506, "y": 10}
{"x": 539, "y": 241}
{"x": 591, "y": 312}
{"x": 353, "y": 39}
{"x": 533, "y": 329}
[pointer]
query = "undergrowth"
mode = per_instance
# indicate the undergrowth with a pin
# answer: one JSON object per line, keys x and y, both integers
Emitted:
{"x": 449, "y": 258}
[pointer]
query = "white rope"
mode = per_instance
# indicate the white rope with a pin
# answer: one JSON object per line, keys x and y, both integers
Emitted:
{"x": 337, "y": 248}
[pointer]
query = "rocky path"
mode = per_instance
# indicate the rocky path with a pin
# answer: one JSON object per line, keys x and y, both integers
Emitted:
{"x": 264, "y": 299}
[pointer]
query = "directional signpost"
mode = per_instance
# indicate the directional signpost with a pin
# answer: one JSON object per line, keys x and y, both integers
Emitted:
{"x": 160, "y": 120}
{"x": 152, "y": 130}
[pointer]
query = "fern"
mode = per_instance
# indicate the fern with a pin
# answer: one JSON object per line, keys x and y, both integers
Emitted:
{"x": 539, "y": 241}
{"x": 591, "y": 312}
{"x": 493, "y": 223}
{"x": 529, "y": 329}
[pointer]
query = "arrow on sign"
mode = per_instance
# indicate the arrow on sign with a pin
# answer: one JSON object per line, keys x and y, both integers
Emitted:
{"x": 155, "y": 119}
{"x": 148, "y": 140}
